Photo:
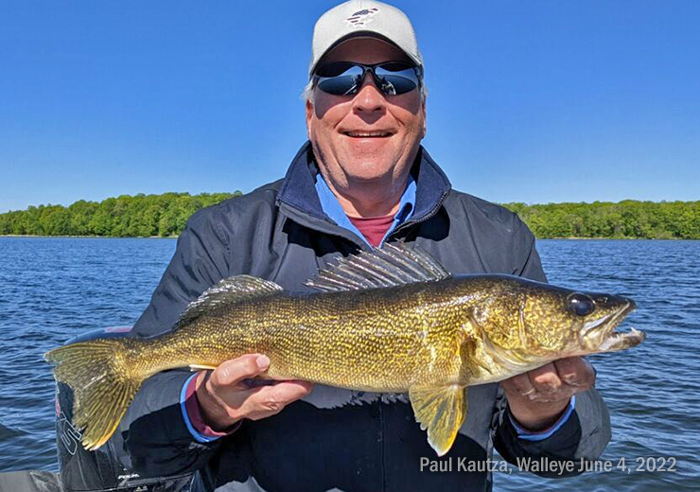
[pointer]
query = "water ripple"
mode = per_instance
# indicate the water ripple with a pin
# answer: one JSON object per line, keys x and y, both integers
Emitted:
{"x": 70, "y": 286}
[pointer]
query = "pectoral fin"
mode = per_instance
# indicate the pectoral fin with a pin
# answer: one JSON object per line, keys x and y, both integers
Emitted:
{"x": 441, "y": 410}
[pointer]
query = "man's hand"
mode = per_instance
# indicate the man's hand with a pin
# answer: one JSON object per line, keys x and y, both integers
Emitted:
{"x": 225, "y": 398}
{"x": 538, "y": 398}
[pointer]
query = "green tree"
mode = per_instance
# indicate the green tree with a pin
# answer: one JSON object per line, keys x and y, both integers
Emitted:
{"x": 166, "y": 215}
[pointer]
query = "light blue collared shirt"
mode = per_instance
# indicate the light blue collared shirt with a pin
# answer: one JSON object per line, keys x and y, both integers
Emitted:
{"x": 331, "y": 207}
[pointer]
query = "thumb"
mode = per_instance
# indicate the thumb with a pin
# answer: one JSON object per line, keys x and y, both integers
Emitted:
{"x": 234, "y": 371}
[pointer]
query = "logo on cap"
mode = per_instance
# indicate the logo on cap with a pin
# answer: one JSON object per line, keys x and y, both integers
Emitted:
{"x": 361, "y": 17}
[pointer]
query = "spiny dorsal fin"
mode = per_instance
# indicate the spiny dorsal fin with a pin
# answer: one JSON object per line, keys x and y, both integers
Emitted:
{"x": 229, "y": 291}
{"x": 393, "y": 264}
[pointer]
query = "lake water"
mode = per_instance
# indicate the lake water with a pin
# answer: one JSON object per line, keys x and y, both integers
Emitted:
{"x": 54, "y": 288}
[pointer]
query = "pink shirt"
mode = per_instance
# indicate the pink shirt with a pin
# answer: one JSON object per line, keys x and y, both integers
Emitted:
{"x": 373, "y": 228}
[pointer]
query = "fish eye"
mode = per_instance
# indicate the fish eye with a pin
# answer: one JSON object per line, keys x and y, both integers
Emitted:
{"x": 580, "y": 304}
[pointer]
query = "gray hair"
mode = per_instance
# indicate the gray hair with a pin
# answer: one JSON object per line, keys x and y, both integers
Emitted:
{"x": 307, "y": 95}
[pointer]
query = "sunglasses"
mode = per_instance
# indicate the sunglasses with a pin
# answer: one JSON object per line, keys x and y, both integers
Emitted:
{"x": 345, "y": 78}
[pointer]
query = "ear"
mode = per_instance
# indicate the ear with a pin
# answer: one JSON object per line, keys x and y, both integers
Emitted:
{"x": 422, "y": 109}
{"x": 309, "y": 116}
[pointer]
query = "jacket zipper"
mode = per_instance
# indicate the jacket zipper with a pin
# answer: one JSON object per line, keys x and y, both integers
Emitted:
{"x": 410, "y": 223}
{"x": 339, "y": 231}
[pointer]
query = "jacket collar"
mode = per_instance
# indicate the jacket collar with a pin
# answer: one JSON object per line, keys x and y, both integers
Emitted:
{"x": 299, "y": 186}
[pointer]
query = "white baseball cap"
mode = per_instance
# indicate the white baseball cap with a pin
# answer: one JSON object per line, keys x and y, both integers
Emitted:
{"x": 360, "y": 18}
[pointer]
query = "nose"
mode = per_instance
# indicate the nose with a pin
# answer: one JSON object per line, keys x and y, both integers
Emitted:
{"x": 369, "y": 99}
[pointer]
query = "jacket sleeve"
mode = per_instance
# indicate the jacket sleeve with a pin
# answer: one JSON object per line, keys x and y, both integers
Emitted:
{"x": 583, "y": 433}
{"x": 200, "y": 261}
{"x": 155, "y": 437}
{"x": 527, "y": 260}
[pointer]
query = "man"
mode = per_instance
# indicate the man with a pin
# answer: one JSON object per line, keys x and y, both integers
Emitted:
{"x": 362, "y": 180}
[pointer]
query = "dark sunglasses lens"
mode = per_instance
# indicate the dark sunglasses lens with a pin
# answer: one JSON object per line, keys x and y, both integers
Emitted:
{"x": 336, "y": 69}
{"x": 339, "y": 78}
{"x": 343, "y": 78}
{"x": 397, "y": 78}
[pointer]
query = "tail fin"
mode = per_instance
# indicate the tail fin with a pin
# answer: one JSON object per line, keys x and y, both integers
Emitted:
{"x": 102, "y": 382}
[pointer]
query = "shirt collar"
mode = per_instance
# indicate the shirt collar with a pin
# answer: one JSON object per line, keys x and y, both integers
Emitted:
{"x": 298, "y": 195}
{"x": 332, "y": 208}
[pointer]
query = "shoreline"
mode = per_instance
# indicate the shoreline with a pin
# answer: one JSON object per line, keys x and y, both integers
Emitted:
{"x": 91, "y": 237}
{"x": 538, "y": 239}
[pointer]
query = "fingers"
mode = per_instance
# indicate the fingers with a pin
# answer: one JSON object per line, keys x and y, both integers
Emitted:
{"x": 232, "y": 372}
{"x": 554, "y": 381}
{"x": 519, "y": 384}
{"x": 541, "y": 384}
{"x": 265, "y": 401}
{"x": 575, "y": 371}
{"x": 547, "y": 384}
{"x": 225, "y": 395}
{"x": 537, "y": 397}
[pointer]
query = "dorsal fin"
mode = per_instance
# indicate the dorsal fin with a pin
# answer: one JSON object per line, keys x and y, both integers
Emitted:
{"x": 393, "y": 264}
{"x": 229, "y": 291}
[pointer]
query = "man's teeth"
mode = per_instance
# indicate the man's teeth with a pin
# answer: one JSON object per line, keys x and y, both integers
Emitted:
{"x": 368, "y": 134}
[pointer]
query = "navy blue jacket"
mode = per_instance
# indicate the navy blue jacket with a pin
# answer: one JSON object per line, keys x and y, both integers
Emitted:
{"x": 280, "y": 232}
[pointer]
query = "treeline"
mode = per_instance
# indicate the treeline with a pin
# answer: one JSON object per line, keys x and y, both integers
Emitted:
{"x": 628, "y": 219}
{"x": 166, "y": 215}
{"x": 125, "y": 216}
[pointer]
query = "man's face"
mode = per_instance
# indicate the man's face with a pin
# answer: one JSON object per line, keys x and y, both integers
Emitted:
{"x": 338, "y": 126}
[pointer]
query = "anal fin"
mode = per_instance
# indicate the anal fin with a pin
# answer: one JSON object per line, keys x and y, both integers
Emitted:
{"x": 441, "y": 410}
{"x": 196, "y": 367}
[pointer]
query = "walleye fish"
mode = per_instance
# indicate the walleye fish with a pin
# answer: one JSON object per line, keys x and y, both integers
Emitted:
{"x": 392, "y": 320}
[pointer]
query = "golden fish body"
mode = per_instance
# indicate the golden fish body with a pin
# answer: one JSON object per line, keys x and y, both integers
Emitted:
{"x": 388, "y": 321}
{"x": 383, "y": 340}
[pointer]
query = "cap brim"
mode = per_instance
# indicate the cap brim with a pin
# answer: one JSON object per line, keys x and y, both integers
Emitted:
{"x": 362, "y": 34}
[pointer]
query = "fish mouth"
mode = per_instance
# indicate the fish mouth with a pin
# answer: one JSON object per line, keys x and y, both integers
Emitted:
{"x": 600, "y": 335}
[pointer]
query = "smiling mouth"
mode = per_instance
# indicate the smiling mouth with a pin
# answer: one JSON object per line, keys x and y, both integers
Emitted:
{"x": 378, "y": 134}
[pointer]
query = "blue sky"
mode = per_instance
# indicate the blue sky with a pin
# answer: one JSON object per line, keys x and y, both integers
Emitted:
{"x": 532, "y": 101}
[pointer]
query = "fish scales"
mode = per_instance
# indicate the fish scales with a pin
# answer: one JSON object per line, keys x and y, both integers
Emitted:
{"x": 392, "y": 320}
{"x": 382, "y": 340}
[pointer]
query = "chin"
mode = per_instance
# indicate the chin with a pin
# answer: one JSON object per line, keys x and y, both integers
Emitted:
{"x": 370, "y": 174}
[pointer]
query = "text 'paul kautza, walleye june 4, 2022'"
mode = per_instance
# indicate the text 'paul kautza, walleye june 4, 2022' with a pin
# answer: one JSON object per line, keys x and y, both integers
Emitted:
{"x": 391, "y": 321}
